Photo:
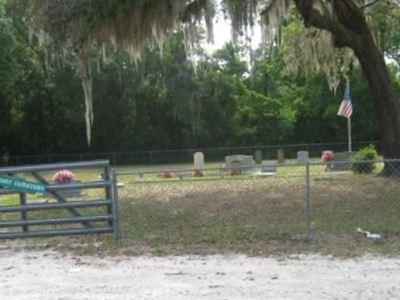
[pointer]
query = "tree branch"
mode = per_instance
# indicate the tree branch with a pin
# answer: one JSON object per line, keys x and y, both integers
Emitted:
{"x": 312, "y": 17}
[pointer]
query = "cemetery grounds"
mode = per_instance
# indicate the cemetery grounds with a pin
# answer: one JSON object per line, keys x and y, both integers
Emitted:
{"x": 228, "y": 235}
{"x": 249, "y": 214}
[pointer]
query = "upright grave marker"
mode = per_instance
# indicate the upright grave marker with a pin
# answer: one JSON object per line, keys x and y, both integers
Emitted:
{"x": 302, "y": 157}
{"x": 281, "y": 156}
{"x": 236, "y": 164}
{"x": 258, "y": 157}
{"x": 198, "y": 158}
{"x": 341, "y": 161}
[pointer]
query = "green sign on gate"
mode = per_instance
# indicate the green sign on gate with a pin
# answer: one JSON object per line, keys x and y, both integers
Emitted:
{"x": 22, "y": 185}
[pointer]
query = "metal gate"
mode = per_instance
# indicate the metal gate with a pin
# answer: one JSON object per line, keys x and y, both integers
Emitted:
{"x": 62, "y": 209}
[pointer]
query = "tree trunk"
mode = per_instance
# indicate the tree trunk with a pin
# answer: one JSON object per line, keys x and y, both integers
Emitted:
{"x": 350, "y": 29}
{"x": 385, "y": 102}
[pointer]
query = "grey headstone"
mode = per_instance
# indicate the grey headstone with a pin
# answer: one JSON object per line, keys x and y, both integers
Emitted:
{"x": 341, "y": 161}
{"x": 258, "y": 157}
{"x": 69, "y": 193}
{"x": 302, "y": 157}
{"x": 242, "y": 162}
{"x": 280, "y": 156}
{"x": 268, "y": 169}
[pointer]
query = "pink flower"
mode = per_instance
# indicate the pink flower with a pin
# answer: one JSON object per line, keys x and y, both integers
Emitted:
{"x": 64, "y": 176}
{"x": 327, "y": 156}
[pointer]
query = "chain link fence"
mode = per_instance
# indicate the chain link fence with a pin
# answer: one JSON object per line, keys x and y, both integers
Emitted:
{"x": 350, "y": 202}
{"x": 356, "y": 204}
{"x": 223, "y": 207}
{"x": 269, "y": 152}
{"x": 261, "y": 208}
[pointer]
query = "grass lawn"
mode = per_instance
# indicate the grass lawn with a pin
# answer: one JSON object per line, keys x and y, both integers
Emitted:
{"x": 256, "y": 216}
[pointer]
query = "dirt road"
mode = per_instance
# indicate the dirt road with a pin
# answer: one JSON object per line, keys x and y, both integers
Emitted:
{"x": 50, "y": 275}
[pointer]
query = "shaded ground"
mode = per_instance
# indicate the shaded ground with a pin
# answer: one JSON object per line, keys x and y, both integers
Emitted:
{"x": 50, "y": 275}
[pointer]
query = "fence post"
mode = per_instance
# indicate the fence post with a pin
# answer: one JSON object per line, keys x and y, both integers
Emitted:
{"x": 308, "y": 200}
{"x": 22, "y": 201}
{"x": 109, "y": 191}
{"x": 115, "y": 208}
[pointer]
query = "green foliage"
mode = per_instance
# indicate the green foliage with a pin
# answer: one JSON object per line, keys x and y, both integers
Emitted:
{"x": 164, "y": 102}
{"x": 363, "y": 160}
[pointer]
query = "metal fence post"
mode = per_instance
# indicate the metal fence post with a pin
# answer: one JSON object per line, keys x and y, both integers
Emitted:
{"x": 308, "y": 200}
{"x": 22, "y": 201}
{"x": 109, "y": 191}
{"x": 115, "y": 208}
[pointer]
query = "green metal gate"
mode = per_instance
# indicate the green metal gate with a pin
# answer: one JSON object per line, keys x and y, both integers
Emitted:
{"x": 68, "y": 212}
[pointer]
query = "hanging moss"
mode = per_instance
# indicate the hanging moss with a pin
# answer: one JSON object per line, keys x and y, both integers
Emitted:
{"x": 75, "y": 26}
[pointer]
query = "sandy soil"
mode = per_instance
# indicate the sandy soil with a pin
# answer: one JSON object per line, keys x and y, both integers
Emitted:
{"x": 47, "y": 274}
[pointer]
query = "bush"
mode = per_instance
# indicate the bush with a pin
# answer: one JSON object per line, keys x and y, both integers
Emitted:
{"x": 363, "y": 160}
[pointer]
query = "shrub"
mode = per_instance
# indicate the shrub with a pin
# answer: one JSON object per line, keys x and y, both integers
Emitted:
{"x": 363, "y": 160}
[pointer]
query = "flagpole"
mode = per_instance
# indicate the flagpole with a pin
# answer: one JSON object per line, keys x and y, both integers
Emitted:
{"x": 349, "y": 133}
{"x": 346, "y": 110}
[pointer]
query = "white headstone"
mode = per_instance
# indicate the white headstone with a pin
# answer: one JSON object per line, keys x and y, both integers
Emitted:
{"x": 302, "y": 157}
{"x": 198, "y": 161}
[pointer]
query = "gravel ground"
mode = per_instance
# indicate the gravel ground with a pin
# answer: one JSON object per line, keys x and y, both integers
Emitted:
{"x": 47, "y": 274}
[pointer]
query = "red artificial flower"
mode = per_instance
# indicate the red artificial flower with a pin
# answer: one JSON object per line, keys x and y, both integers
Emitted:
{"x": 64, "y": 176}
{"x": 327, "y": 156}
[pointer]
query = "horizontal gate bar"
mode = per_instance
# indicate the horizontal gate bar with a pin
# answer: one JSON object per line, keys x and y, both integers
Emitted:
{"x": 50, "y": 233}
{"x": 8, "y": 192}
{"x": 74, "y": 204}
{"x": 66, "y": 187}
{"x": 58, "y": 166}
{"x": 6, "y": 224}
{"x": 76, "y": 186}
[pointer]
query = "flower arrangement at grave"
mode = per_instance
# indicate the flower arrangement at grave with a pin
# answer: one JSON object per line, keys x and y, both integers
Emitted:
{"x": 198, "y": 173}
{"x": 327, "y": 156}
{"x": 167, "y": 174}
{"x": 235, "y": 172}
{"x": 63, "y": 176}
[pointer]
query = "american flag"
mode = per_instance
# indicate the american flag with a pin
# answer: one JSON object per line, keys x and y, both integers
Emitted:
{"x": 346, "y": 107}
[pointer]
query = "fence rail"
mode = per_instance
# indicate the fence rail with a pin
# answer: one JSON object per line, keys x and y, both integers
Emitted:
{"x": 93, "y": 222}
